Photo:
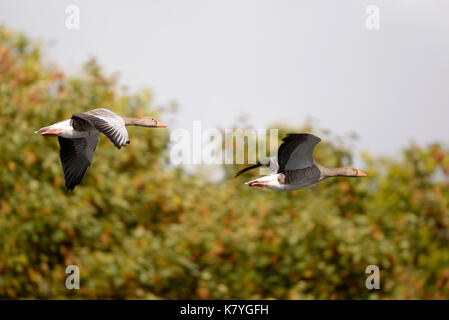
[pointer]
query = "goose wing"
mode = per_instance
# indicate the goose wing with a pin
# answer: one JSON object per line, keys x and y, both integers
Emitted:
{"x": 76, "y": 156}
{"x": 296, "y": 152}
{"x": 270, "y": 163}
{"x": 105, "y": 121}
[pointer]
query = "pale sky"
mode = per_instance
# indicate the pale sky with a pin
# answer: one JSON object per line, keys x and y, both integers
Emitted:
{"x": 273, "y": 60}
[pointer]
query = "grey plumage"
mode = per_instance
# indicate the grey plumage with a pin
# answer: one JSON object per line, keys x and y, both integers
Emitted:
{"x": 78, "y": 138}
{"x": 107, "y": 122}
{"x": 295, "y": 166}
{"x": 296, "y": 151}
{"x": 310, "y": 174}
{"x": 294, "y": 159}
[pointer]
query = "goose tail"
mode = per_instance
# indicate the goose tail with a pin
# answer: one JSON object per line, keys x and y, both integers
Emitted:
{"x": 41, "y": 130}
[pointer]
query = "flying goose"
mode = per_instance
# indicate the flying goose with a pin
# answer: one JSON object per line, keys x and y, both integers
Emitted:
{"x": 295, "y": 166}
{"x": 78, "y": 138}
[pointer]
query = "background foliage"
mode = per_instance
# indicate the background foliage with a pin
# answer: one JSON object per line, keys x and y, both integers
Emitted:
{"x": 139, "y": 229}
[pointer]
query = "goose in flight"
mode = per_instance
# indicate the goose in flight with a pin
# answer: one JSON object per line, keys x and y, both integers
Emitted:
{"x": 295, "y": 167}
{"x": 78, "y": 138}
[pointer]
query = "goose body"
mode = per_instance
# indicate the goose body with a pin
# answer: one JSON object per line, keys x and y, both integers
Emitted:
{"x": 78, "y": 138}
{"x": 295, "y": 167}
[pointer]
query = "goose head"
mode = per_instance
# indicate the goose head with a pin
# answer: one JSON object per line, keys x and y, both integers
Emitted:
{"x": 151, "y": 122}
{"x": 349, "y": 172}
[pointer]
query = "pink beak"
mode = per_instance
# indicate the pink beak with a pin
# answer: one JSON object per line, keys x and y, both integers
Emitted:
{"x": 361, "y": 174}
{"x": 160, "y": 124}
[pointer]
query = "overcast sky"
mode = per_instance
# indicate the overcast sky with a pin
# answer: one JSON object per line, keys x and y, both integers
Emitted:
{"x": 272, "y": 60}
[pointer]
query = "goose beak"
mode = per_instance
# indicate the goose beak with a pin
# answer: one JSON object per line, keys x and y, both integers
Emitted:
{"x": 259, "y": 183}
{"x": 360, "y": 174}
{"x": 160, "y": 124}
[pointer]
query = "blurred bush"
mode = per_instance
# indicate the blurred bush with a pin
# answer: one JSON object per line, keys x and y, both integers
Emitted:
{"x": 139, "y": 229}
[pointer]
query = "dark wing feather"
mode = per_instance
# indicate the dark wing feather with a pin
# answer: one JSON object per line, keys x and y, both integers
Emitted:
{"x": 105, "y": 121}
{"x": 270, "y": 163}
{"x": 80, "y": 124}
{"x": 76, "y": 156}
{"x": 296, "y": 152}
{"x": 246, "y": 169}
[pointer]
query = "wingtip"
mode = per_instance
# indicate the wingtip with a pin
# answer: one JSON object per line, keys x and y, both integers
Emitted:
{"x": 247, "y": 169}
{"x": 239, "y": 173}
{"x": 119, "y": 146}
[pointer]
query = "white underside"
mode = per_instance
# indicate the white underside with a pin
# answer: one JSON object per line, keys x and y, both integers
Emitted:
{"x": 70, "y": 133}
{"x": 275, "y": 185}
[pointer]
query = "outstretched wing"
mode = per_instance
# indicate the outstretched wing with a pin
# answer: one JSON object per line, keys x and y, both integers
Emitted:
{"x": 296, "y": 152}
{"x": 105, "y": 121}
{"x": 270, "y": 163}
{"x": 76, "y": 156}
